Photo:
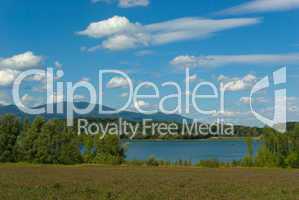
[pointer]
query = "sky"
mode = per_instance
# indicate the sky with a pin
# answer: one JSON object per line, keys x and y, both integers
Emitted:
{"x": 237, "y": 42}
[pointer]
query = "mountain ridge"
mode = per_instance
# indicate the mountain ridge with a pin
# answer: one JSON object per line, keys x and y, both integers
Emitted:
{"x": 127, "y": 115}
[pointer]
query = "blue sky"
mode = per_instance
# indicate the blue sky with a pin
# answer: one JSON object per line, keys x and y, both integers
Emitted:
{"x": 152, "y": 40}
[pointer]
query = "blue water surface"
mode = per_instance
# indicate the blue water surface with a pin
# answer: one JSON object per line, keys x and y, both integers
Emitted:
{"x": 194, "y": 150}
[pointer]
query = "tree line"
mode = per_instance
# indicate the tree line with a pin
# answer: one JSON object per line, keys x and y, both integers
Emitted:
{"x": 52, "y": 142}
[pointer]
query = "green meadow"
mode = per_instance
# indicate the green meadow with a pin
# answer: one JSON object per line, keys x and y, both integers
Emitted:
{"x": 24, "y": 181}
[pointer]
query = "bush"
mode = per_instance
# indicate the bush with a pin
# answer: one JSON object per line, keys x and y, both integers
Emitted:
{"x": 209, "y": 163}
{"x": 152, "y": 161}
{"x": 293, "y": 160}
{"x": 109, "y": 150}
{"x": 265, "y": 158}
{"x": 135, "y": 162}
{"x": 107, "y": 159}
{"x": 247, "y": 161}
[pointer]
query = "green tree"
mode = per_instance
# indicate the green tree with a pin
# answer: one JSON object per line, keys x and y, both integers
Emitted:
{"x": 109, "y": 150}
{"x": 57, "y": 145}
{"x": 248, "y": 160}
{"x": 29, "y": 137}
{"x": 89, "y": 152}
{"x": 9, "y": 131}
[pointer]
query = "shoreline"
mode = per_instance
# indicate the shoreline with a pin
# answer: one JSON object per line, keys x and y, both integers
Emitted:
{"x": 191, "y": 140}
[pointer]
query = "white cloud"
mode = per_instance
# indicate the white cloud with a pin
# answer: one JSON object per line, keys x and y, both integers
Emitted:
{"x": 258, "y": 6}
{"x": 133, "y": 3}
{"x": 79, "y": 97}
{"x": 31, "y": 101}
{"x": 44, "y": 76}
{"x": 57, "y": 64}
{"x": 57, "y": 98}
{"x": 21, "y": 61}
{"x": 4, "y": 99}
{"x": 40, "y": 77}
{"x": 108, "y": 27}
{"x": 121, "y": 42}
{"x": 192, "y": 78}
{"x": 222, "y": 60}
{"x": 140, "y": 104}
{"x": 117, "y": 82}
{"x": 245, "y": 100}
{"x": 125, "y": 94}
{"x": 188, "y": 93}
{"x": 144, "y": 53}
{"x": 119, "y": 33}
{"x": 292, "y": 104}
{"x": 238, "y": 84}
{"x": 27, "y": 99}
{"x": 226, "y": 114}
{"x": 85, "y": 79}
{"x": 126, "y": 3}
{"x": 7, "y": 76}
{"x": 185, "y": 61}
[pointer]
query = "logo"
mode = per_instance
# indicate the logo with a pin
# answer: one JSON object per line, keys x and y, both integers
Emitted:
{"x": 279, "y": 121}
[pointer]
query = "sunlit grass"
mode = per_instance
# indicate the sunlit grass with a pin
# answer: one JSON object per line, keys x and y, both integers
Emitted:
{"x": 25, "y": 181}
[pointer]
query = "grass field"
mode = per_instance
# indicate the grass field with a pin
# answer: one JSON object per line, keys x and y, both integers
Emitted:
{"x": 121, "y": 182}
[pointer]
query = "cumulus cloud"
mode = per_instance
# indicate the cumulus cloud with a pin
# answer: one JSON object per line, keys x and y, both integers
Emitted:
{"x": 21, "y": 61}
{"x": 119, "y": 33}
{"x": 223, "y": 60}
{"x": 238, "y": 84}
{"x": 108, "y": 27}
{"x": 117, "y": 82}
{"x": 259, "y": 6}
{"x": 10, "y": 67}
{"x": 7, "y": 76}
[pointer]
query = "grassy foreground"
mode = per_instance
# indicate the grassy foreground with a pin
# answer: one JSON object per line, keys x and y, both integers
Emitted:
{"x": 122, "y": 182}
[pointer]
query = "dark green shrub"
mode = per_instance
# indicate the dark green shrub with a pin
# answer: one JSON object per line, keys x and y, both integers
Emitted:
{"x": 209, "y": 163}
{"x": 152, "y": 161}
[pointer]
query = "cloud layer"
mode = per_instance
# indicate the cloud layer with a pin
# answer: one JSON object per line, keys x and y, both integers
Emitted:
{"x": 118, "y": 33}
{"x": 238, "y": 84}
{"x": 222, "y": 60}
{"x": 258, "y": 6}
{"x": 126, "y": 3}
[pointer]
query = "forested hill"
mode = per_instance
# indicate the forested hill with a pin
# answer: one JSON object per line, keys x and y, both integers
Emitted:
{"x": 127, "y": 115}
{"x": 133, "y": 117}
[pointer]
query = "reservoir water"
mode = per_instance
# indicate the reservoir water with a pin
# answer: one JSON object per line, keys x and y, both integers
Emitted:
{"x": 194, "y": 150}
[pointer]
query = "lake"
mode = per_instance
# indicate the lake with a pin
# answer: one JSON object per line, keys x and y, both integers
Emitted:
{"x": 194, "y": 150}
